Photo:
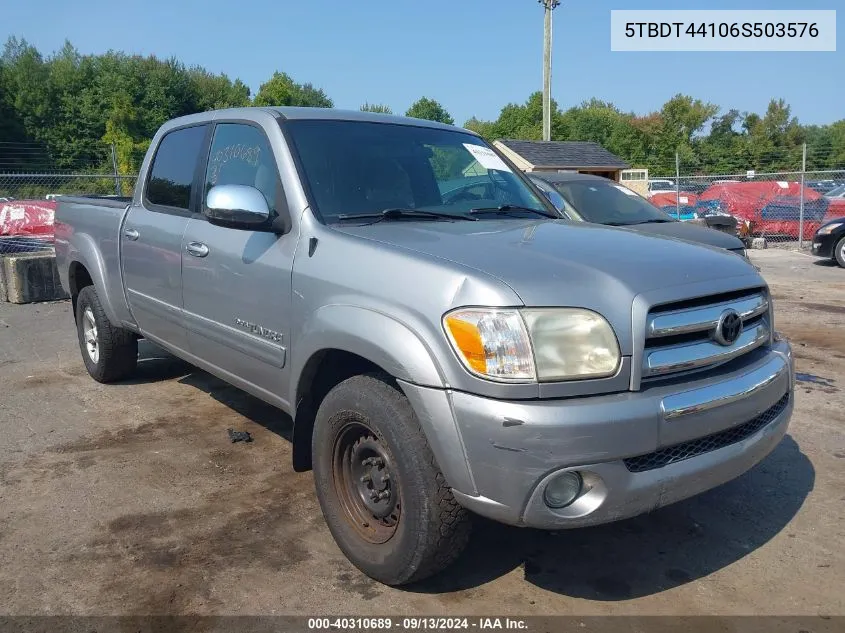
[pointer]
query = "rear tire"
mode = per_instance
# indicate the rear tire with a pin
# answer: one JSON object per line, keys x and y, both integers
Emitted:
{"x": 839, "y": 252}
{"x": 110, "y": 353}
{"x": 382, "y": 494}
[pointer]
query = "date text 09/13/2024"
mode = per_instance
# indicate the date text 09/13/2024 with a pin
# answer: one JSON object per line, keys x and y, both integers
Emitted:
{"x": 416, "y": 623}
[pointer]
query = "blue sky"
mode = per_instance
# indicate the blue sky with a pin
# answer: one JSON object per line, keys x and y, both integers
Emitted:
{"x": 473, "y": 56}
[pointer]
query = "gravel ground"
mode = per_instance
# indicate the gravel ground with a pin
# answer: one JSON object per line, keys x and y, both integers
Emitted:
{"x": 130, "y": 499}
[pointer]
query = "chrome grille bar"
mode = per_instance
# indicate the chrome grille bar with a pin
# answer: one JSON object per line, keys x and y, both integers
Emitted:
{"x": 683, "y": 357}
{"x": 704, "y": 318}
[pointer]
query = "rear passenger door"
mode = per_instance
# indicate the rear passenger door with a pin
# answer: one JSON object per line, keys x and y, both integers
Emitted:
{"x": 151, "y": 237}
{"x": 237, "y": 282}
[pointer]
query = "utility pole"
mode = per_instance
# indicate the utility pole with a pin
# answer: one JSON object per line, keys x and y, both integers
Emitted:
{"x": 549, "y": 6}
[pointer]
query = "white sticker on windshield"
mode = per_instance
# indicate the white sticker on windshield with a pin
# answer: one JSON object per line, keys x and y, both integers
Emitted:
{"x": 487, "y": 157}
{"x": 625, "y": 190}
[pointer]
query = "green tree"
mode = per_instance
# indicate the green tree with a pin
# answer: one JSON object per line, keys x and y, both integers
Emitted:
{"x": 486, "y": 129}
{"x": 213, "y": 92}
{"x": 376, "y": 107}
{"x": 723, "y": 150}
{"x": 836, "y": 155}
{"x": 603, "y": 123}
{"x": 281, "y": 90}
{"x": 429, "y": 109}
{"x": 12, "y": 128}
{"x": 682, "y": 119}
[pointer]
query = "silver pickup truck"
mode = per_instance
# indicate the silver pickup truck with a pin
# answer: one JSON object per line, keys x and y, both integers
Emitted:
{"x": 445, "y": 345}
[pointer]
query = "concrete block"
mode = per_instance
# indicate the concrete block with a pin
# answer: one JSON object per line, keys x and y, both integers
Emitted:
{"x": 30, "y": 277}
{"x": 759, "y": 242}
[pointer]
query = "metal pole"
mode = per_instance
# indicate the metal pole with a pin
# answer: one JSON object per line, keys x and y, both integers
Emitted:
{"x": 117, "y": 191}
{"x": 677, "y": 185}
{"x": 801, "y": 209}
{"x": 547, "y": 72}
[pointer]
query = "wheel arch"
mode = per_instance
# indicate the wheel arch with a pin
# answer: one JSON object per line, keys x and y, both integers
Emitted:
{"x": 345, "y": 341}
{"x": 78, "y": 278}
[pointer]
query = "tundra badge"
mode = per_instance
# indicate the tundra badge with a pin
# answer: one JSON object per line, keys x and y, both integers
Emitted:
{"x": 270, "y": 335}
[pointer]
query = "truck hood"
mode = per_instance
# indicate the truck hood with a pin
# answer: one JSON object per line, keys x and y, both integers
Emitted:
{"x": 690, "y": 232}
{"x": 556, "y": 262}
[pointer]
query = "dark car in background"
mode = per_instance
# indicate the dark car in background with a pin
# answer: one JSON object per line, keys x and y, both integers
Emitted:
{"x": 829, "y": 241}
{"x": 586, "y": 198}
{"x": 823, "y": 186}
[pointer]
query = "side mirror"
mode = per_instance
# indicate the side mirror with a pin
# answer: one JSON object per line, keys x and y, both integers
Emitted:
{"x": 237, "y": 206}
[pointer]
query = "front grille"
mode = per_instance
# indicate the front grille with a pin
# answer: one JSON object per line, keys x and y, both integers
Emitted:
{"x": 693, "y": 448}
{"x": 685, "y": 336}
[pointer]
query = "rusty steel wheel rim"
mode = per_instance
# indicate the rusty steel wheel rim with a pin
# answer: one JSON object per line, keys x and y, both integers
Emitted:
{"x": 364, "y": 478}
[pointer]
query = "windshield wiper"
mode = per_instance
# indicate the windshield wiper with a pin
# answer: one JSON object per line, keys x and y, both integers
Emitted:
{"x": 510, "y": 208}
{"x": 652, "y": 221}
{"x": 398, "y": 212}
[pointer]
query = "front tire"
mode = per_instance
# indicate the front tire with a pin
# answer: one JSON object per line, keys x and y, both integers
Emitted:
{"x": 839, "y": 252}
{"x": 382, "y": 494}
{"x": 110, "y": 353}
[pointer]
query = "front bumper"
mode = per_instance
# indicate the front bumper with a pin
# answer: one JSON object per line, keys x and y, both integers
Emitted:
{"x": 823, "y": 245}
{"x": 626, "y": 446}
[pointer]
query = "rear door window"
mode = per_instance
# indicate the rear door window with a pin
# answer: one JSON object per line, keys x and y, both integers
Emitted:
{"x": 172, "y": 173}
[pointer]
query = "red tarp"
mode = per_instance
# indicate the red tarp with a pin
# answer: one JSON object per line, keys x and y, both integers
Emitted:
{"x": 27, "y": 217}
{"x": 666, "y": 201}
{"x": 772, "y": 207}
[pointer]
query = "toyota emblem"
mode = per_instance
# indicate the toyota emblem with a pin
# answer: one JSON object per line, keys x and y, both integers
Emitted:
{"x": 728, "y": 328}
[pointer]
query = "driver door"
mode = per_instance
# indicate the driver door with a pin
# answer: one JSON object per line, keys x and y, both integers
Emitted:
{"x": 236, "y": 283}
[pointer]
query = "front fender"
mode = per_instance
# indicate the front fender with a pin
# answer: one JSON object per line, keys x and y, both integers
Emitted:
{"x": 373, "y": 335}
{"x": 399, "y": 351}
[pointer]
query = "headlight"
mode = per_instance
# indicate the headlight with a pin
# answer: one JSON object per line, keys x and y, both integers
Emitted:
{"x": 492, "y": 343}
{"x": 533, "y": 344}
{"x": 571, "y": 343}
{"x": 828, "y": 229}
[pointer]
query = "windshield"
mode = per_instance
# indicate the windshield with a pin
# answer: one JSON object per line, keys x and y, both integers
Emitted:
{"x": 836, "y": 192}
{"x": 606, "y": 202}
{"x": 357, "y": 168}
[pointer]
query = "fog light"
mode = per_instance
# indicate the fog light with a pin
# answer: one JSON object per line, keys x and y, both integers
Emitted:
{"x": 563, "y": 489}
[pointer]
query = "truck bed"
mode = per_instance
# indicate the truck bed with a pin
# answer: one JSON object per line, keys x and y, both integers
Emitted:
{"x": 87, "y": 230}
{"x": 112, "y": 202}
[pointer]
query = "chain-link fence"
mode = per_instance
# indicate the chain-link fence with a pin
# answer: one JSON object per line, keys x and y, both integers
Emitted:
{"x": 47, "y": 186}
{"x": 28, "y": 204}
{"x": 784, "y": 207}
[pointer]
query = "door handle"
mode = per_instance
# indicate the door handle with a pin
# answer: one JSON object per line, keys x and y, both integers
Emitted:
{"x": 197, "y": 249}
{"x": 131, "y": 234}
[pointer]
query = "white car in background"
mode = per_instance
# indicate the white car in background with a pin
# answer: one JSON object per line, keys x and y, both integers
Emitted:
{"x": 660, "y": 186}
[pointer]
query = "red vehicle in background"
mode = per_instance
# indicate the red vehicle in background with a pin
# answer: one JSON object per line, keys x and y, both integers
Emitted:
{"x": 26, "y": 225}
{"x": 769, "y": 207}
{"x": 27, "y": 217}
